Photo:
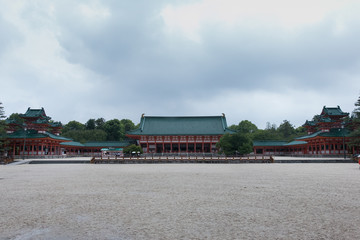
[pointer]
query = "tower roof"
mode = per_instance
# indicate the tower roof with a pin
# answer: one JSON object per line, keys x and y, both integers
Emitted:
{"x": 333, "y": 111}
{"x": 35, "y": 114}
{"x": 194, "y": 125}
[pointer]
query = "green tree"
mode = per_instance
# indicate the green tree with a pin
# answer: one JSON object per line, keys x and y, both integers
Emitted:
{"x": 244, "y": 126}
{"x": 90, "y": 124}
{"x": 238, "y": 143}
{"x": 266, "y": 134}
{"x": 356, "y": 112}
{"x": 16, "y": 118}
{"x": 286, "y": 130}
{"x": 100, "y": 122}
{"x": 83, "y": 136}
{"x": 114, "y": 130}
{"x": 73, "y": 125}
{"x": 128, "y": 124}
{"x": 355, "y": 134}
{"x": 133, "y": 148}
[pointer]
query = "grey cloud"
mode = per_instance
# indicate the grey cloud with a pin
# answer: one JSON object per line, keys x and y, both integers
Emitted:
{"x": 136, "y": 67}
{"x": 9, "y": 36}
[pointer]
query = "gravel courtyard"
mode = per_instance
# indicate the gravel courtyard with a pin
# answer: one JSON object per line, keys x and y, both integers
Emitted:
{"x": 180, "y": 201}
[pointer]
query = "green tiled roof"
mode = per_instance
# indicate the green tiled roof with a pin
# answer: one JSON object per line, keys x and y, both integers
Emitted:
{"x": 276, "y": 143}
{"x": 55, "y": 124}
{"x": 292, "y": 143}
{"x": 118, "y": 144}
{"x": 310, "y": 123}
{"x": 34, "y": 134}
{"x": 34, "y": 113}
{"x": 124, "y": 143}
{"x": 268, "y": 143}
{"x": 73, "y": 144}
{"x": 334, "y": 132}
{"x": 201, "y": 125}
{"x": 325, "y": 120}
{"x": 57, "y": 137}
{"x": 334, "y": 111}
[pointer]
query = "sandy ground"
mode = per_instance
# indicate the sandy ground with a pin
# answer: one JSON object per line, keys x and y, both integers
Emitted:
{"x": 180, "y": 201}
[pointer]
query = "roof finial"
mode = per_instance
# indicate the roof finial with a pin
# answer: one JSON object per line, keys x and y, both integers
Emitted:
{"x": 223, "y": 114}
{"x": 142, "y": 115}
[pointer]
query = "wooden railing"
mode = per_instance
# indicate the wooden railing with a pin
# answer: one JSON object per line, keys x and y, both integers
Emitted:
{"x": 182, "y": 159}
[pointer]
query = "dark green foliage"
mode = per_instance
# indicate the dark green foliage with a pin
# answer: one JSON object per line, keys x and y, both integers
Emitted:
{"x": 73, "y": 126}
{"x": 90, "y": 124}
{"x": 355, "y": 125}
{"x": 233, "y": 144}
{"x": 286, "y": 130}
{"x": 83, "y": 136}
{"x": 266, "y": 134}
{"x": 356, "y": 112}
{"x": 246, "y": 130}
{"x": 244, "y": 126}
{"x": 99, "y": 123}
{"x": 128, "y": 124}
{"x": 115, "y": 131}
{"x": 16, "y": 118}
{"x": 133, "y": 148}
{"x": 98, "y": 130}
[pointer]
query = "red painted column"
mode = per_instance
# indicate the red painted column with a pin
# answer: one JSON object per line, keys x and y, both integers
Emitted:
{"x": 28, "y": 152}
{"x": 14, "y": 147}
{"x": 155, "y": 144}
{"x": 163, "y": 144}
{"x": 171, "y": 150}
{"x": 202, "y": 144}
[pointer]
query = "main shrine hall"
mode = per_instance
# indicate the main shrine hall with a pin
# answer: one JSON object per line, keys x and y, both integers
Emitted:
{"x": 180, "y": 134}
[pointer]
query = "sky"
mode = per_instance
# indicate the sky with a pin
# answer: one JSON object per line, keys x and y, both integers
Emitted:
{"x": 262, "y": 61}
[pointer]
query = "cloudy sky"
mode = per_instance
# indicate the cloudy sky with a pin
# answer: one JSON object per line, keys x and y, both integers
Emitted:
{"x": 263, "y": 61}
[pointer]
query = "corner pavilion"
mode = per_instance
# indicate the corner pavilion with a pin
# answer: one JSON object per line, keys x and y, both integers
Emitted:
{"x": 327, "y": 135}
{"x": 160, "y": 134}
{"x": 38, "y": 136}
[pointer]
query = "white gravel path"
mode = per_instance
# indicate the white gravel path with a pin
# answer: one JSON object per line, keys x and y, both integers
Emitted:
{"x": 180, "y": 201}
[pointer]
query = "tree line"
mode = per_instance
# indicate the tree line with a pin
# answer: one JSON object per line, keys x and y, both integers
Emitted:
{"x": 94, "y": 130}
{"x": 246, "y": 132}
{"x": 98, "y": 130}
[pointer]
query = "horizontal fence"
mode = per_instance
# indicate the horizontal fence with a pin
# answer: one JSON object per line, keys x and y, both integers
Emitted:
{"x": 183, "y": 159}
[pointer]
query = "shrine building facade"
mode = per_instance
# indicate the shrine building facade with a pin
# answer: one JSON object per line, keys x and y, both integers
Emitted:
{"x": 328, "y": 134}
{"x": 194, "y": 134}
{"x": 37, "y": 136}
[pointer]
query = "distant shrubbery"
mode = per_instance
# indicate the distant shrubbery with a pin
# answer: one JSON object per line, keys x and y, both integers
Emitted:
{"x": 98, "y": 130}
{"x": 246, "y": 132}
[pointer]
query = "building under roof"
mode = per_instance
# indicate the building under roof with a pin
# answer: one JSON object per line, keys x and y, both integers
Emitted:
{"x": 159, "y": 134}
